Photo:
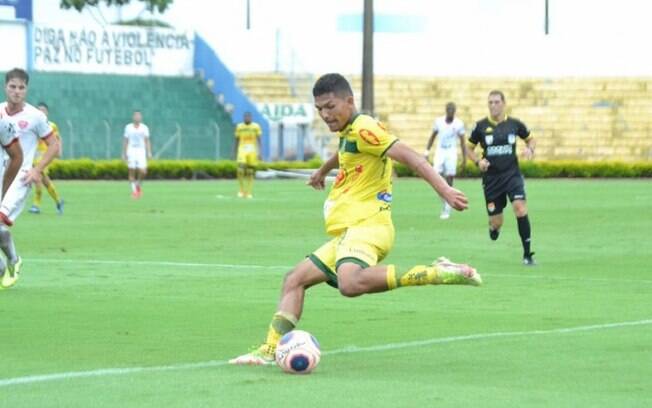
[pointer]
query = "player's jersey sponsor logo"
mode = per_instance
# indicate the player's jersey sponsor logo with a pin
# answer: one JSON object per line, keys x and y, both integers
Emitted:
{"x": 489, "y": 130}
{"x": 384, "y": 196}
{"x": 489, "y": 139}
{"x": 511, "y": 138}
{"x": 369, "y": 137}
{"x": 340, "y": 178}
{"x": 500, "y": 150}
{"x": 23, "y": 124}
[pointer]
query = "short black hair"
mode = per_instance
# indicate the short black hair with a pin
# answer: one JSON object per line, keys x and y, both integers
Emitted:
{"x": 334, "y": 83}
{"x": 43, "y": 104}
{"x": 17, "y": 73}
{"x": 499, "y": 93}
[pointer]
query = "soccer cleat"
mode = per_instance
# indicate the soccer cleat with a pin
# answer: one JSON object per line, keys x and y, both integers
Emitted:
{"x": 493, "y": 234}
{"x": 249, "y": 195}
{"x": 450, "y": 273}
{"x": 59, "y": 207}
{"x": 528, "y": 260}
{"x": 444, "y": 216}
{"x": 12, "y": 273}
{"x": 241, "y": 194}
{"x": 35, "y": 210}
{"x": 263, "y": 355}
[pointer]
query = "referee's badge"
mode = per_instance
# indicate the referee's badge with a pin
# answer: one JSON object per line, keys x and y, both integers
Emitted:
{"x": 511, "y": 138}
{"x": 489, "y": 139}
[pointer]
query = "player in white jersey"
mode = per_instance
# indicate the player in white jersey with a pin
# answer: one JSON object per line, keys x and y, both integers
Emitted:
{"x": 30, "y": 125}
{"x": 136, "y": 150}
{"x": 449, "y": 129}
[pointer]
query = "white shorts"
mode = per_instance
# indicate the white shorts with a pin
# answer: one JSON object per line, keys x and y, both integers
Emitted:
{"x": 446, "y": 162}
{"x": 14, "y": 201}
{"x": 137, "y": 159}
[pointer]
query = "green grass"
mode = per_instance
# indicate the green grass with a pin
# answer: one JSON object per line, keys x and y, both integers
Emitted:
{"x": 115, "y": 283}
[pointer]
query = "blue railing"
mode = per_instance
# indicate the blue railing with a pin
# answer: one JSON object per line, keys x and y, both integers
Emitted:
{"x": 221, "y": 81}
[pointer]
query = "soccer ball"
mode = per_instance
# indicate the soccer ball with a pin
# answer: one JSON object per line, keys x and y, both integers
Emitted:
{"x": 298, "y": 352}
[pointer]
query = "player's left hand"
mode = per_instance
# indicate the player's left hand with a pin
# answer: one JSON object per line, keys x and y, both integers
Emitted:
{"x": 32, "y": 176}
{"x": 317, "y": 180}
{"x": 528, "y": 153}
{"x": 456, "y": 199}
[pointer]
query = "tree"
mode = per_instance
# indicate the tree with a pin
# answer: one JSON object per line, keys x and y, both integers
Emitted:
{"x": 159, "y": 5}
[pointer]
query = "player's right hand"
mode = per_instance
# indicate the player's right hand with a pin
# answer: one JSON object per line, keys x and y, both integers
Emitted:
{"x": 317, "y": 180}
{"x": 483, "y": 165}
{"x": 456, "y": 199}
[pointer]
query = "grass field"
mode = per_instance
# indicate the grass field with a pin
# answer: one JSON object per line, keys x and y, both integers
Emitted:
{"x": 140, "y": 303}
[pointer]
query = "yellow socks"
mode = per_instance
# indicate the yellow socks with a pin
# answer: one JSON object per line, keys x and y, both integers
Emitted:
{"x": 38, "y": 194}
{"x": 281, "y": 323}
{"x": 249, "y": 181}
{"x": 417, "y": 276}
{"x": 241, "y": 179}
{"x": 53, "y": 193}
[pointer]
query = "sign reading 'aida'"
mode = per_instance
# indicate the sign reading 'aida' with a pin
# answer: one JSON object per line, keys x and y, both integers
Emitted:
{"x": 288, "y": 113}
{"x": 113, "y": 49}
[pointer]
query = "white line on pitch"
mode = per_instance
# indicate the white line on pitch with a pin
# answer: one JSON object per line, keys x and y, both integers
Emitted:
{"x": 103, "y": 372}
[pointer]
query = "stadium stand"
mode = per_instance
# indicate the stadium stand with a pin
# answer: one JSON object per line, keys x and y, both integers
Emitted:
{"x": 92, "y": 110}
{"x": 573, "y": 118}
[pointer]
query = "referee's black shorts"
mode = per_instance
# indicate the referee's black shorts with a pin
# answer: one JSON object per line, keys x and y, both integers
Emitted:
{"x": 497, "y": 188}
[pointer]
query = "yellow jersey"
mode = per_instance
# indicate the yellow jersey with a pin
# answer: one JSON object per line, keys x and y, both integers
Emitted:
{"x": 42, "y": 147}
{"x": 363, "y": 187}
{"x": 248, "y": 135}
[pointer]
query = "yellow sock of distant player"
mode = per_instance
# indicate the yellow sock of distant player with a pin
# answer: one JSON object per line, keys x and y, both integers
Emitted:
{"x": 241, "y": 175}
{"x": 250, "y": 181}
{"x": 416, "y": 276}
{"x": 281, "y": 323}
{"x": 53, "y": 193}
{"x": 38, "y": 194}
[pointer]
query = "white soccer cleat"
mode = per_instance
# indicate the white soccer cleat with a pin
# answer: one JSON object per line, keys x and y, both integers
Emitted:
{"x": 456, "y": 274}
{"x": 263, "y": 355}
{"x": 444, "y": 216}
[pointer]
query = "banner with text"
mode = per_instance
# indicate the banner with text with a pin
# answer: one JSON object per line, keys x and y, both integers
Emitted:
{"x": 288, "y": 113}
{"x": 113, "y": 50}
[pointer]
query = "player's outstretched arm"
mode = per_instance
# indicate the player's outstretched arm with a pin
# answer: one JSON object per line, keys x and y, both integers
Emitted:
{"x": 15, "y": 153}
{"x": 403, "y": 154}
{"x": 317, "y": 179}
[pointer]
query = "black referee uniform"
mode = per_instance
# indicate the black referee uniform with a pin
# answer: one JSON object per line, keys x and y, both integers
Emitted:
{"x": 503, "y": 178}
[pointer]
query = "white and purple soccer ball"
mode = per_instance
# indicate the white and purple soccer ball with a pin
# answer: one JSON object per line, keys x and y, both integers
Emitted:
{"x": 298, "y": 352}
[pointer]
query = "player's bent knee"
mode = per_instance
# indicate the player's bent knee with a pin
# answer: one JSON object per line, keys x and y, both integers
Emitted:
{"x": 349, "y": 289}
{"x": 349, "y": 282}
{"x": 520, "y": 208}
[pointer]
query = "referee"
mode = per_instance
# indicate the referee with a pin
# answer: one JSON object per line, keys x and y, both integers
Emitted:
{"x": 501, "y": 176}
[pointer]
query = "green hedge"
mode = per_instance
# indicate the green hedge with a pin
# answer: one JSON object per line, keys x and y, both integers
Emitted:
{"x": 574, "y": 169}
{"x": 85, "y": 169}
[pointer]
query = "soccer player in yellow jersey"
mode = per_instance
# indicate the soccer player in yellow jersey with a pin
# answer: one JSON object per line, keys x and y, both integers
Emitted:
{"x": 41, "y": 148}
{"x": 247, "y": 142}
{"x": 358, "y": 217}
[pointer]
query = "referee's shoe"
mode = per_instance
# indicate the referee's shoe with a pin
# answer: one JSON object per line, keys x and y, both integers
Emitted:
{"x": 528, "y": 260}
